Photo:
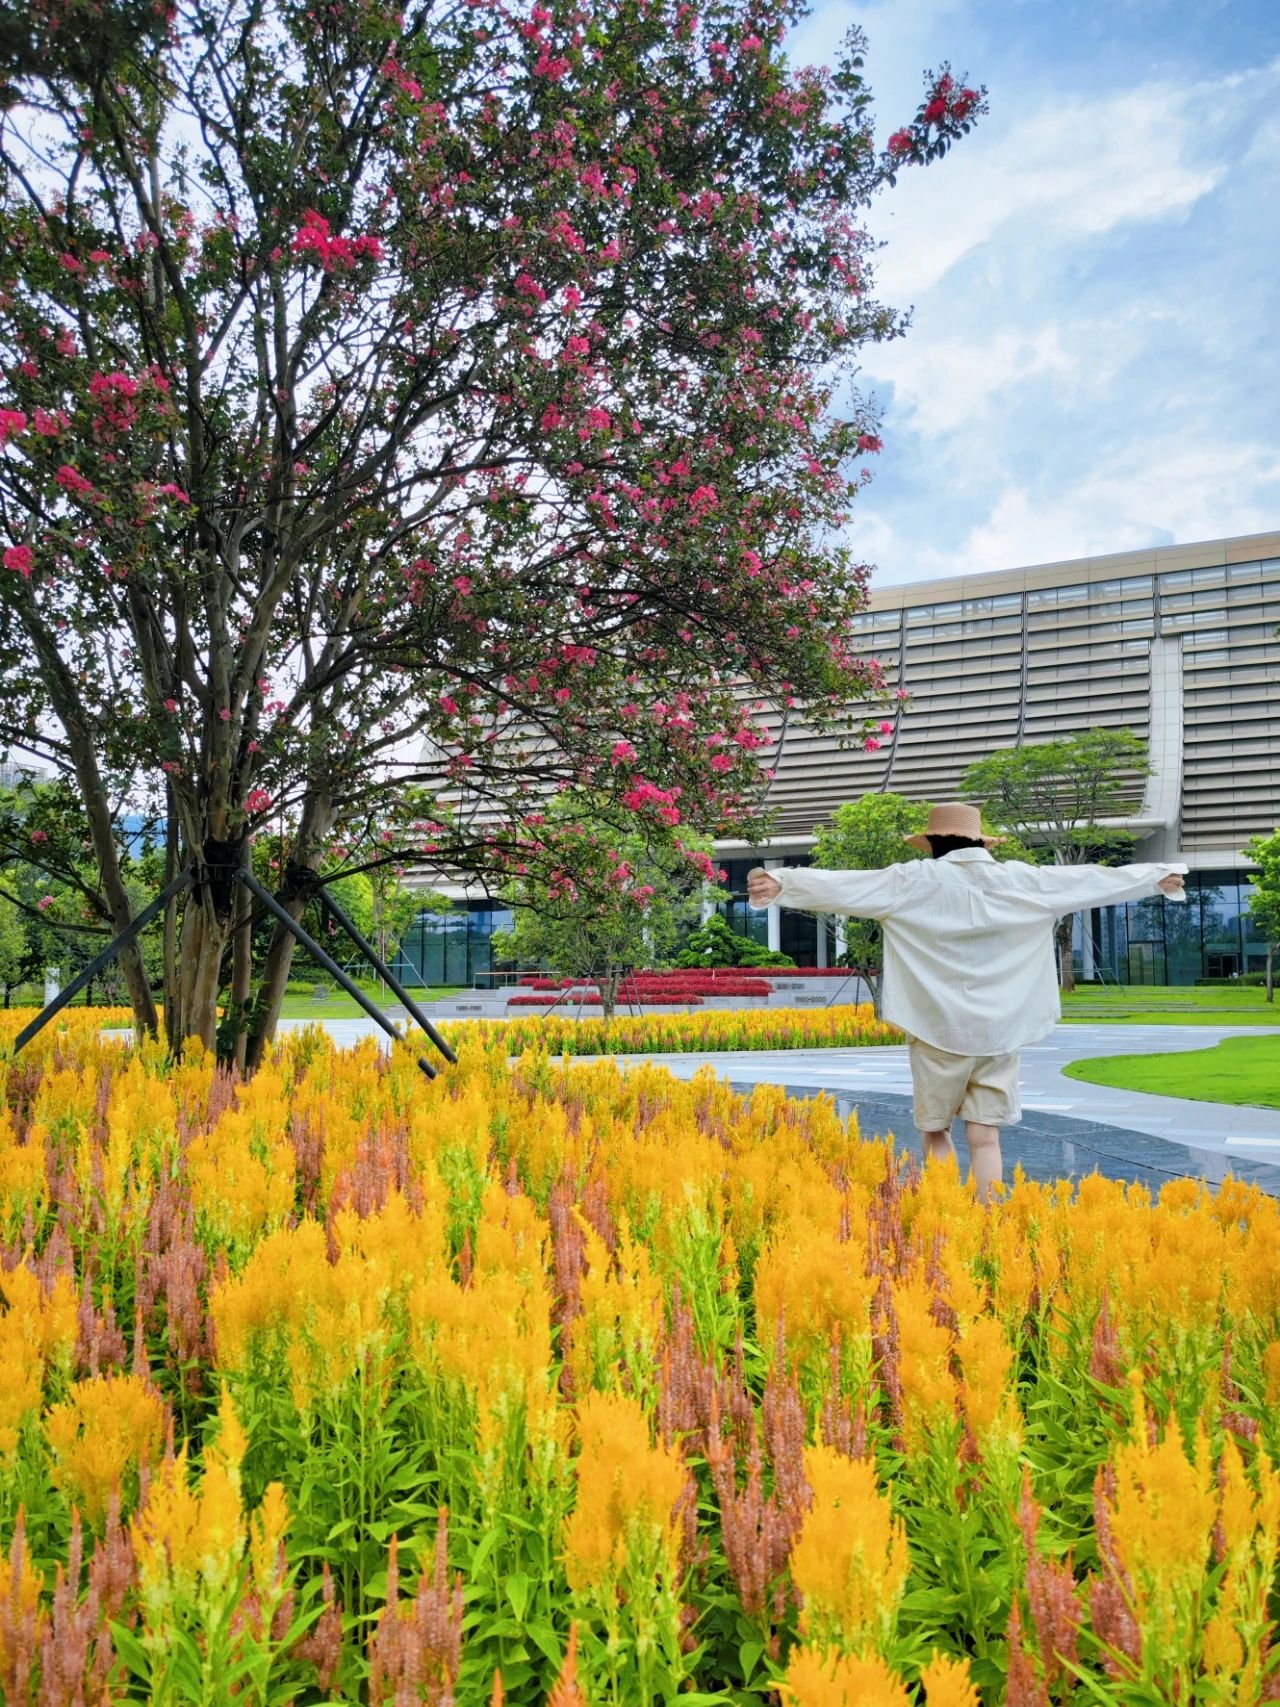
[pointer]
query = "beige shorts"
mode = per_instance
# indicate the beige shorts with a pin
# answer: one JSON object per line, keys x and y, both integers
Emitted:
{"x": 977, "y": 1087}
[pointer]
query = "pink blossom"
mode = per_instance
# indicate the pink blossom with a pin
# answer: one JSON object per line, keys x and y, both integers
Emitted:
{"x": 527, "y": 285}
{"x": 253, "y": 746}
{"x": 900, "y": 142}
{"x": 12, "y": 422}
{"x": 20, "y": 559}
{"x": 99, "y": 256}
{"x": 169, "y": 490}
{"x": 38, "y": 836}
{"x": 49, "y": 424}
{"x": 449, "y": 705}
{"x": 44, "y": 903}
{"x": 886, "y": 728}
{"x": 872, "y": 744}
{"x": 869, "y": 442}
{"x": 171, "y": 766}
{"x": 257, "y": 800}
{"x": 171, "y": 705}
{"x": 335, "y": 254}
{"x": 71, "y": 480}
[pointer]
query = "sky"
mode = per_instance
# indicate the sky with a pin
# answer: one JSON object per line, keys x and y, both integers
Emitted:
{"x": 1093, "y": 362}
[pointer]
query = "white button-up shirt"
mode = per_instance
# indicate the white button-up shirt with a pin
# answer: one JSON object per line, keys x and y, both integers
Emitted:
{"x": 969, "y": 960}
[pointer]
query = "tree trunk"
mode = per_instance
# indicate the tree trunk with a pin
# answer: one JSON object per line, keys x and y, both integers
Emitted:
{"x": 206, "y": 929}
{"x": 1066, "y": 966}
{"x": 1271, "y": 972}
{"x": 292, "y": 894}
{"x": 608, "y": 986}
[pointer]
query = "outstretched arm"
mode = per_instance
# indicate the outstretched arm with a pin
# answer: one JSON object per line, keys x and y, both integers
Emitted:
{"x": 867, "y": 894}
{"x": 1072, "y": 888}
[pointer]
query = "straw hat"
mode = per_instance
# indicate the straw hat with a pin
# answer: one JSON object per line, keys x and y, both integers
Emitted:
{"x": 953, "y": 820}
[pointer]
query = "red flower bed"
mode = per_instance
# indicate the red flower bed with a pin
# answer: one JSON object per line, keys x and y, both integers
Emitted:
{"x": 591, "y": 999}
{"x": 730, "y": 981}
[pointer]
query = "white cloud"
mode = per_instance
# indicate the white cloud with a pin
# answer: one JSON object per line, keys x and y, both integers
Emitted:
{"x": 1072, "y": 171}
{"x": 1157, "y": 489}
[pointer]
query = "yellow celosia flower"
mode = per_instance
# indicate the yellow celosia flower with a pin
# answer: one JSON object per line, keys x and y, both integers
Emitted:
{"x": 985, "y": 1357}
{"x": 23, "y": 1181}
{"x": 102, "y": 1431}
{"x": 818, "y": 1283}
{"x": 267, "y": 1531}
{"x": 188, "y": 1542}
{"x": 929, "y": 1389}
{"x": 947, "y": 1683}
{"x": 818, "y": 1679}
{"x": 850, "y": 1563}
{"x": 627, "y": 1493}
{"x": 36, "y": 1330}
{"x": 1165, "y": 1507}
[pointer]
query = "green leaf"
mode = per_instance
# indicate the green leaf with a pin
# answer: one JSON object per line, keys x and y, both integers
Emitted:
{"x": 517, "y": 1591}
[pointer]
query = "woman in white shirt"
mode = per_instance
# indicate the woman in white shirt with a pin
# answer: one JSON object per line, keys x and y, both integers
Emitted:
{"x": 970, "y": 972}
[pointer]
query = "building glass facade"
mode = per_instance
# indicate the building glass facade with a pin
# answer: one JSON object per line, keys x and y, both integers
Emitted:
{"x": 454, "y": 948}
{"x": 1210, "y": 935}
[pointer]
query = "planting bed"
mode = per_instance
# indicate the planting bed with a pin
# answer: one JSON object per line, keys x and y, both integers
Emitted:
{"x": 546, "y": 1383}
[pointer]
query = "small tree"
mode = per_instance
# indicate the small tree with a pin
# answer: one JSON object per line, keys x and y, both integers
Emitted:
{"x": 716, "y": 943}
{"x": 13, "y": 945}
{"x": 1264, "y": 903}
{"x": 624, "y": 902}
{"x": 1055, "y": 794}
{"x": 867, "y": 835}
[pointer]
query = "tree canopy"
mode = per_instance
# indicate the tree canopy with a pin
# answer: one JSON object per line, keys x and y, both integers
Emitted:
{"x": 442, "y": 381}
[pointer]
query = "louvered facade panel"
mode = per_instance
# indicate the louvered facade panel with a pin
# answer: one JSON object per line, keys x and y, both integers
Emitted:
{"x": 1037, "y": 654}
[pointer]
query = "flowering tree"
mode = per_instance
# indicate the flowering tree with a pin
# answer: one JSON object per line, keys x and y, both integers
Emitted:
{"x": 450, "y": 381}
{"x": 619, "y": 900}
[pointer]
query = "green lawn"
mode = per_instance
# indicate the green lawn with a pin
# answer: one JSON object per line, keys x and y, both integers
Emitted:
{"x": 338, "y": 1005}
{"x": 1237, "y": 1070}
{"x": 1169, "y": 1004}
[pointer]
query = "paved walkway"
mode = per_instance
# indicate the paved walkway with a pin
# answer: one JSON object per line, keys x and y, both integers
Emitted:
{"x": 1068, "y": 1126}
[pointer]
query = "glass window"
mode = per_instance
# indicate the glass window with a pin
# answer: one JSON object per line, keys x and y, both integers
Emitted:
{"x": 1179, "y": 578}
{"x": 1245, "y": 572}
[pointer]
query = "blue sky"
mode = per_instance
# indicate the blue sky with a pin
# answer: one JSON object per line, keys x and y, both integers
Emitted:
{"x": 1094, "y": 359}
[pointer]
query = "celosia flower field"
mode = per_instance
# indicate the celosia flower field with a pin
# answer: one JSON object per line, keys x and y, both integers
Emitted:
{"x": 560, "y": 1033}
{"x": 547, "y": 1383}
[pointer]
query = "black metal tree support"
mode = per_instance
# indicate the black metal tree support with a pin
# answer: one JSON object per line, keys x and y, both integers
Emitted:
{"x": 411, "y": 1007}
{"x": 330, "y": 965}
{"x": 301, "y": 936}
{"x": 99, "y": 962}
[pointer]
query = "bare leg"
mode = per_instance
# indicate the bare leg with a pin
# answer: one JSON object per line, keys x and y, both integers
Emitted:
{"x": 984, "y": 1157}
{"x": 938, "y": 1146}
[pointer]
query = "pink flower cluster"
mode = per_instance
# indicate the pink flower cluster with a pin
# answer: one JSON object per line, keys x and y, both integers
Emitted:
{"x": 258, "y": 800}
{"x": 946, "y": 101}
{"x": 643, "y": 793}
{"x": 335, "y": 254}
{"x": 20, "y": 559}
{"x": 12, "y": 423}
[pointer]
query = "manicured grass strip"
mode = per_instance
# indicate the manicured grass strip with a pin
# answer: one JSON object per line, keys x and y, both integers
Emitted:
{"x": 1242, "y": 1070}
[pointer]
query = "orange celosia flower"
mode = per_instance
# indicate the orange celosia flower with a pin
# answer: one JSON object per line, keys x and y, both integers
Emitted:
{"x": 850, "y": 1562}
{"x": 628, "y": 1490}
{"x": 818, "y": 1679}
{"x": 947, "y": 1683}
{"x": 104, "y": 1429}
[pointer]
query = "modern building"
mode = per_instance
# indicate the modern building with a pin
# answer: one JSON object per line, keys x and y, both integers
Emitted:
{"x": 1178, "y": 644}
